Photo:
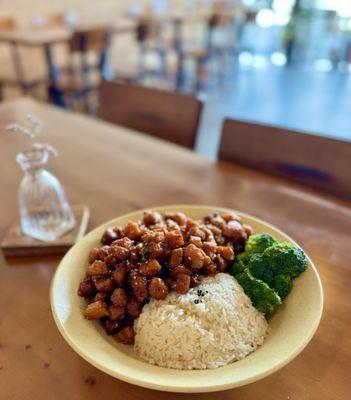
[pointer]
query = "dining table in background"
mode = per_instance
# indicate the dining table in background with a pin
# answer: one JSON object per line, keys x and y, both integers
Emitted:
{"x": 47, "y": 37}
{"x": 115, "y": 170}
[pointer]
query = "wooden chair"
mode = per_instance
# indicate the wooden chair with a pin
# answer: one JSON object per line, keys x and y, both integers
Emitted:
{"x": 166, "y": 115}
{"x": 19, "y": 77}
{"x": 87, "y": 64}
{"x": 314, "y": 161}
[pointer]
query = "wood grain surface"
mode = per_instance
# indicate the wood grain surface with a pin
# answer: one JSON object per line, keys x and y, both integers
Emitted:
{"x": 115, "y": 171}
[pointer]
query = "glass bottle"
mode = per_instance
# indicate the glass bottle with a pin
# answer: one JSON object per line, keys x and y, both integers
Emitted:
{"x": 44, "y": 210}
{"x": 45, "y": 213}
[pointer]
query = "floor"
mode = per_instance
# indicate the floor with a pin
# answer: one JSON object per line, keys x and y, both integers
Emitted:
{"x": 293, "y": 97}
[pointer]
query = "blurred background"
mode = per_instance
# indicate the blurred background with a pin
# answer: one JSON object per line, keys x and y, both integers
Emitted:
{"x": 285, "y": 63}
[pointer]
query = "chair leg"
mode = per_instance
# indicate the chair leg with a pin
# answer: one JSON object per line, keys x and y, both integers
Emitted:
{"x": 163, "y": 62}
{"x": 200, "y": 73}
{"x": 56, "y": 96}
{"x": 88, "y": 107}
{"x": 142, "y": 55}
{"x": 180, "y": 78}
{"x": 1, "y": 91}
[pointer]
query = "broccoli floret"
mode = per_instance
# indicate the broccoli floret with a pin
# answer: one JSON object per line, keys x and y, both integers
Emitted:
{"x": 282, "y": 284}
{"x": 237, "y": 267}
{"x": 267, "y": 277}
{"x": 243, "y": 257}
{"x": 255, "y": 244}
{"x": 240, "y": 264}
{"x": 286, "y": 259}
{"x": 265, "y": 299}
{"x": 260, "y": 269}
{"x": 259, "y": 242}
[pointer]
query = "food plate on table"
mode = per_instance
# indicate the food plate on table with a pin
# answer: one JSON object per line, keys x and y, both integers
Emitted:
{"x": 228, "y": 301}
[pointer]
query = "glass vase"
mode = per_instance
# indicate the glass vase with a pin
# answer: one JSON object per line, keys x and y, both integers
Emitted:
{"x": 44, "y": 210}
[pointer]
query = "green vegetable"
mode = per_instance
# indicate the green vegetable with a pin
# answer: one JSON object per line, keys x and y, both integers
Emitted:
{"x": 237, "y": 267}
{"x": 260, "y": 269}
{"x": 263, "y": 298}
{"x": 255, "y": 244}
{"x": 266, "y": 268}
{"x": 278, "y": 265}
{"x": 259, "y": 242}
{"x": 286, "y": 259}
{"x": 282, "y": 284}
{"x": 267, "y": 264}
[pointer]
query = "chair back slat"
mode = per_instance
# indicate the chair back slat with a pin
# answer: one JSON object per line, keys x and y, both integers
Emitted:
{"x": 166, "y": 115}
{"x": 318, "y": 162}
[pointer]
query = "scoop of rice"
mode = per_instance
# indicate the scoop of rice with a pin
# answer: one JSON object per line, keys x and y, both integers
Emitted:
{"x": 195, "y": 331}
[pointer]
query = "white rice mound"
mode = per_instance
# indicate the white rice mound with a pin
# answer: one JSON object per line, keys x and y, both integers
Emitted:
{"x": 223, "y": 327}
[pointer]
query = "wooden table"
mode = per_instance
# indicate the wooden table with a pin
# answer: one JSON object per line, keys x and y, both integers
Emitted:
{"x": 52, "y": 35}
{"x": 47, "y": 37}
{"x": 115, "y": 171}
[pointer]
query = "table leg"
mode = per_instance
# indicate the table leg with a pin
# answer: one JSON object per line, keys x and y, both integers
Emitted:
{"x": 53, "y": 71}
{"x": 18, "y": 67}
{"x": 55, "y": 95}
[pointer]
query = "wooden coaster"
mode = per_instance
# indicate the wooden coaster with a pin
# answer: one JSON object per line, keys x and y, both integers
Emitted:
{"x": 15, "y": 244}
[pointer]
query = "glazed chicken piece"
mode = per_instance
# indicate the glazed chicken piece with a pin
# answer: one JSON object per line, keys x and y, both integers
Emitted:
{"x": 158, "y": 289}
{"x": 134, "y": 307}
{"x": 139, "y": 286}
{"x": 119, "y": 297}
{"x": 194, "y": 257}
{"x": 125, "y": 335}
{"x": 151, "y": 218}
{"x": 182, "y": 283}
{"x": 98, "y": 267}
{"x": 96, "y": 310}
{"x": 176, "y": 257}
{"x": 150, "y": 268}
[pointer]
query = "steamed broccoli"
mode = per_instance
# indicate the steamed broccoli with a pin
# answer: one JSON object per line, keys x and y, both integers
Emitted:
{"x": 266, "y": 268}
{"x": 286, "y": 259}
{"x": 260, "y": 269}
{"x": 259, "y": 242}
{"x": 237, "y": 267}
{"x": 282, "y": 284}
{"x": 281, "y": 259}
{"x": 273, "y": 269}
{"x": 263, "y": 298}
{"x": 255, "y": 244}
